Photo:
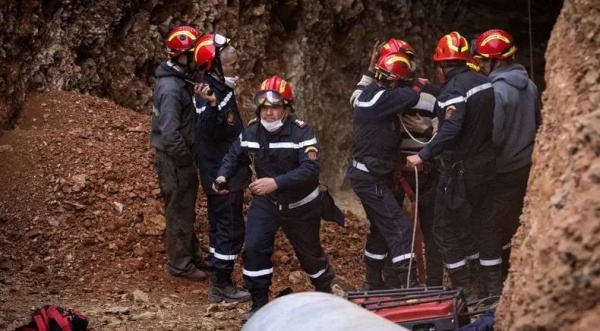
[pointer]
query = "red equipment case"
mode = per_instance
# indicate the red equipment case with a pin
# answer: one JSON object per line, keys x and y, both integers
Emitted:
{"x": 417, "y": 309}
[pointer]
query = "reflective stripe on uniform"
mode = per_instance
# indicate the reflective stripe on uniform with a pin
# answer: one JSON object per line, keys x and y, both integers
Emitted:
{"x": 403, "y": 257}
{"x": 318, "y": 274}
{"x": 258, "y": 273}
{"x": 302, "y": 144}
{"x": 225, "y": 100}
{"x": 456, "y": 265}
{"x": 470, "y": 93}
{"x": 359, "y": 166}
{"x": 224, "y": 257}
{"x": 507, "y": 246}
{"x": 375, "y": 256}
{"x": 313, "y": 195}
{"x": 488, "y": 263}
{"x": 299, "y": 145}
{"x": 370, "y": 102}
{"x": 473, "y": 257}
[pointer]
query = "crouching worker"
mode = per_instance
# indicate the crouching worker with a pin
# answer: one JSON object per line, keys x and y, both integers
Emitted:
{"x": 284, "y": 155}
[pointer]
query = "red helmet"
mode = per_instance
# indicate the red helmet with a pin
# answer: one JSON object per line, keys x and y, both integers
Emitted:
{"x": 495, "y": 44}
{"x": 206, "y": 49}
{"x": 282, "y": 89}
{"x": 181, "y": 39}
{"x": 396, "y": 46}
{"x": 473, "y": 64}
{"x": 393, "y": 67}
{"x": 451, "y": 47}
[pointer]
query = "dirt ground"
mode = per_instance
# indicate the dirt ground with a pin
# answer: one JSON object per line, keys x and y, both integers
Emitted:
{"x": 81, "y": 225}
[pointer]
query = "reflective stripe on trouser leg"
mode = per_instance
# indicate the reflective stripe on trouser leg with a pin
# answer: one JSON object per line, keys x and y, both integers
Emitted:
{"x": 301, "y": 226}
{"x": 385, "y": 214}
{"x": 227, "y": 228}
{"x": 260, "y": 238}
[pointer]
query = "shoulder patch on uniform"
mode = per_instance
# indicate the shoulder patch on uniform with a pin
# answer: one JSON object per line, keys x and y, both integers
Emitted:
{"x": 311, "y": 151}
{"x": 448, "y": 112}
{"x": 252, "y": 121}
{"x": 300, "y": 123}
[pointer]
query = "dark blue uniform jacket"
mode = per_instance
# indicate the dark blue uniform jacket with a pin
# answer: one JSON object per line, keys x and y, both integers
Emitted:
{"x": 376, "y": 133}
{"x": 216, "y": 129}
{"x": 290, "y": 157}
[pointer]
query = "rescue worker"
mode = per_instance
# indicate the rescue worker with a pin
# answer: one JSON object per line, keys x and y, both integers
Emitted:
{"x": 285, "y": 156}
{"x": 218, "y": 125}
{"x": 422, "y": 114}
{"x": 464, "y": 145}
{"x": 173, "y": 118}
{"x": 517, "y": 117}
{"x": 376, "y": 140}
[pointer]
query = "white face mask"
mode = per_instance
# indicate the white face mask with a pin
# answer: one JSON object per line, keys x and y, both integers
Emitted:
{"x": 272, "y": 126}
{"x": 231, "y": 81}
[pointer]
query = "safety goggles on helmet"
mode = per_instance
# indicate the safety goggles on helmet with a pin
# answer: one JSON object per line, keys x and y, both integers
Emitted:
{"x": 220, "y": 40}
{"x": 268, "y": 98}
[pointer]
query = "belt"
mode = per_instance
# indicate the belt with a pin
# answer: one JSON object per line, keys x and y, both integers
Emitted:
{"x": 359, "y": 166}
{"x": 310, "y": 197}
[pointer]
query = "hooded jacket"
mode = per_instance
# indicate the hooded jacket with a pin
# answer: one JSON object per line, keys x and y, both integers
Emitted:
{"x": 173, "y": 116}
{"x": 516, "y": 117}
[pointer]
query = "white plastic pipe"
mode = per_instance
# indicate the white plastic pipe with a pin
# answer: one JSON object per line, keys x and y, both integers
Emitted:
{"x": 314, "y": 311}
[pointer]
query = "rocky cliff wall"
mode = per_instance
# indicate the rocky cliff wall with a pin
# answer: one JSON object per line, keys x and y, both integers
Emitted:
{"x": 554, "y": 282}
{"x": 111, "y": 48}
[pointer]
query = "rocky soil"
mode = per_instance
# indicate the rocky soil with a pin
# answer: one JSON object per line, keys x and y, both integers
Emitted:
{"x": 81, "y": 225}
{"x": 555, "y": 274}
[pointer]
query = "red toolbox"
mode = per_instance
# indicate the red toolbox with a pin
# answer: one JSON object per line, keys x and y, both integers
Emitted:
{"x": 417, "y": 309}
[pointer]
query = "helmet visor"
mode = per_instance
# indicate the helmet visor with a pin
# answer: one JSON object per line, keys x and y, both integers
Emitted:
{"x": 268, "y": 98}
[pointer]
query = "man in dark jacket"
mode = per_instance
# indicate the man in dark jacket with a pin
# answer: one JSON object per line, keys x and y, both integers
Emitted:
{"x": 173, "y": 119}
{"x": 218, "y": 125}
{"x": 285, "y": 156}
{"x": 464, "y": 146}
{"x": 404, "y": 179}
{"x": 517, "y": 117}
{"x": 376, "y": 140}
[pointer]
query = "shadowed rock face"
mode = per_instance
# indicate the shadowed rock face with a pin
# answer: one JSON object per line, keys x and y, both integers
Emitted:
{"x": 554, "y": 282}
{"x": 111, "y": 48}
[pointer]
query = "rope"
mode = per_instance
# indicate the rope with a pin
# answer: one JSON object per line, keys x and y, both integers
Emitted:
{"x": 412, "y": 137}
{"x": 414, "y": 234}
{"x": 530, "y": 39}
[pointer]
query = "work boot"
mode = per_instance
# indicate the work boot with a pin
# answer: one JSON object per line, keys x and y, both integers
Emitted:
{"x": 200, "y": 263}
{"x": 325, "y": 288}
{"x": 413, "y": 281}
{"x": 196, "y": 275}
{"x": 221, "y": 288}
{"x": 259, "y": 299}
{"x": 492, "y": 280}
{"x": 390, "y": 276}
{"x": 373, "y": 279}
{"x": 460, "y": 280}
{"x": 475, "y": 277}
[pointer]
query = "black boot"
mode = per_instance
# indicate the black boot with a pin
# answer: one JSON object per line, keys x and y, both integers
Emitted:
{"x": 373, "y": 279}
{"x": 460, "y": 280}
{"x": 390, "y": 276}
{"x": 475, "y": 277}
{"x": 492, "y": 280}
{"x": 221, "y": 288}
{"x": 409, "y": 281}
{"x": 259, "y": 299}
